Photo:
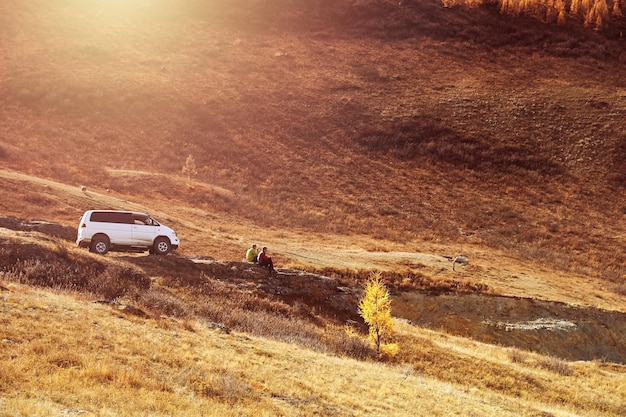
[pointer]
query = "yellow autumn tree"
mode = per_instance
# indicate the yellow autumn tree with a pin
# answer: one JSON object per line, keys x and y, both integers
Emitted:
{"x": 617, "y": 8}
{"x": 598, "y": 14}
{"x": 562, "y": 15}
{"x": 189, "y": 169}
{"x": 375, "y": 308}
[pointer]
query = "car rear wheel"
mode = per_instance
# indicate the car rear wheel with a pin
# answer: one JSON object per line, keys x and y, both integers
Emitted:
{"x": 162, "y": 246}
{"x": 100, "y": 245}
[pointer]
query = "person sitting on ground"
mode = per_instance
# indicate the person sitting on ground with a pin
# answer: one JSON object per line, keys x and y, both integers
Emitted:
{"x": 265, "y": 260}
{"x": 251, "y": 254}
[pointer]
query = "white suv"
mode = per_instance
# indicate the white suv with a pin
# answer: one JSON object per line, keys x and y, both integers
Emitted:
{"x": 104, "y": 230}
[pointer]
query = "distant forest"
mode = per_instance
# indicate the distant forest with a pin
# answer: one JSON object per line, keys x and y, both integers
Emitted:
{"x": 596, "y": 14}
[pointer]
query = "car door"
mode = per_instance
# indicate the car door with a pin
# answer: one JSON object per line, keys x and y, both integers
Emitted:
{"x": 143, "y": 230}
{"x": 116, "y": 225}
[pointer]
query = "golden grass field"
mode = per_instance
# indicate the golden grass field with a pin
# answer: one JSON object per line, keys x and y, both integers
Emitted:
{"x": 348, "y": 137}
{"x": 62, "y": 354}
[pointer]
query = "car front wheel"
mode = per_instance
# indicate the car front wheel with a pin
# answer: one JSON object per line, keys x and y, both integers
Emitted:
{"x": 162, "y": 246}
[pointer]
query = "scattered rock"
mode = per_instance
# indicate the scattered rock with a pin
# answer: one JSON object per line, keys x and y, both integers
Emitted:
{"x": 125, "y": 308}
{"x": 461, "y": 260}
{"x": 219, "y": 326}
{"x": 539, "y": 324}
{"x": 70, "y": 411}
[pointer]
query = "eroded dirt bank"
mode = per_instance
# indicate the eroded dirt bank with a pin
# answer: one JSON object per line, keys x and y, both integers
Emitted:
{"x": 551, "y": 328}
{"x": 558, "y": 329}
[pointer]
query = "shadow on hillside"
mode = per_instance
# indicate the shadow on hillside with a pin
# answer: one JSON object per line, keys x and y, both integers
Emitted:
{"x": 428, "y": 139}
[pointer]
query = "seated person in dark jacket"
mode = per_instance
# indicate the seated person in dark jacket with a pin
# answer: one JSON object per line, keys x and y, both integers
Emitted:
{"x": 264, "y": 260}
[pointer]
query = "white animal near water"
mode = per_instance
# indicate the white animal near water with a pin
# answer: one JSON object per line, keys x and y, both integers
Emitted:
{"x": 462, "y": 260}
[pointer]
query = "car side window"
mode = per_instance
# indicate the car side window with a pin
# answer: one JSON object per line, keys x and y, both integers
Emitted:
{"x": 142, "y": 220}
{"x": 111, "y": 217}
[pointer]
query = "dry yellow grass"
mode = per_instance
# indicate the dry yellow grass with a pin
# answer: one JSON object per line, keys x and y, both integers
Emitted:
{"x": 61, "y": 354}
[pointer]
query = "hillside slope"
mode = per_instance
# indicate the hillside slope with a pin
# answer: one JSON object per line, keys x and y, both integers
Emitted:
{"x": 207, "y": 234}
{"x": 96, "y": 360}
{"x": 406, "y": 123}
{"x": 491, "y": 300}
{"x": 122, "y": 334}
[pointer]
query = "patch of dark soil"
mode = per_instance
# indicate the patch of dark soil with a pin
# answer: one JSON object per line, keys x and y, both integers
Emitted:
{"x": 36, "y": 225}
{"x": 550, "y": 328}
{"x": 323, "y": 296}
{"x": 181, "y": 270}
{"x": 33, "y": 264}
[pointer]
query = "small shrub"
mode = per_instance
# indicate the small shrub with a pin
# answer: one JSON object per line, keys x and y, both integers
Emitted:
{"x": 164, "y": 303}
{"x": 4, "y": 151}
{"x": 61, "y": 251}
{"x": 220, "y": 384}
{"x": 517, "y": 356}
{"x": 116, "y": 281}
{"x": 348, "y": 343}
{"x": 188, "y": 325}
{"x": 230, "y": 389}
{"x": 189, "y": 169}
{"x": 620, "y": 289}
{"x": 388, "y": 351}
{"x": 99, "y": 373}
{"x": 66, "y": 360}
{"x": 556, "y": 365}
